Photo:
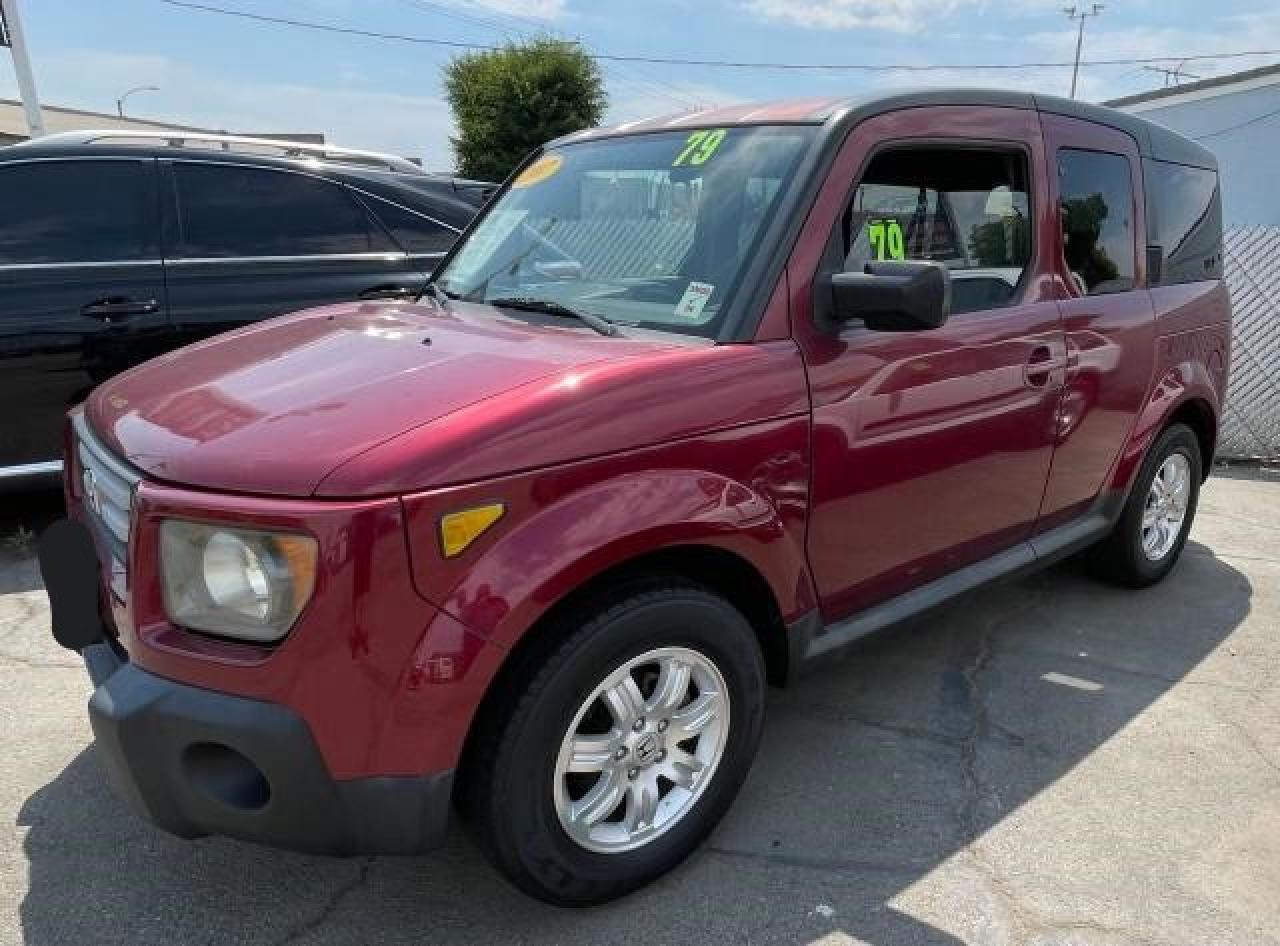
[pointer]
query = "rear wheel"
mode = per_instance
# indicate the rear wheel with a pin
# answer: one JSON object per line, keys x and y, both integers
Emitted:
{"x": 605, "y": 762}
{"x": 1151, "y": 532}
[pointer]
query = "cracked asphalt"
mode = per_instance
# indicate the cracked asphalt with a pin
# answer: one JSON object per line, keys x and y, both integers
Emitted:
{"x": 1050, "y": 762}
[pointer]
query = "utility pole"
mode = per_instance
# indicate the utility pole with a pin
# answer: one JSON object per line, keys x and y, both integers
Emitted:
{"x": 1081, "y": 15}
{"x": 11, "y": 36}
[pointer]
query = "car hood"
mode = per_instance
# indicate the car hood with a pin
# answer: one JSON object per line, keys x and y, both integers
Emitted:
{"x": 275, "y": 407}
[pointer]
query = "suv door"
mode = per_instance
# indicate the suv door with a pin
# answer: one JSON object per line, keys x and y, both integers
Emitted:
{"x": 81, "y": 292}
{"x": 930, "y": 448}
{"x": 250, "y": 242}
{"x": 1108, "y": 315}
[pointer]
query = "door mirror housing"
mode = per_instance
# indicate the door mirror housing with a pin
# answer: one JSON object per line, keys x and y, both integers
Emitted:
{"x": 893, "y": 296}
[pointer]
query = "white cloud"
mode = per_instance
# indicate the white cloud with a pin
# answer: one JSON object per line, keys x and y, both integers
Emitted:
{"x": 415, "y": 124}
{"x": 902, "y": 16}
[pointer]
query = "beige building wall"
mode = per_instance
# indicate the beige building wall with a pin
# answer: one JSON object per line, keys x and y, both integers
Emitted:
{"x": 13, "y": 124}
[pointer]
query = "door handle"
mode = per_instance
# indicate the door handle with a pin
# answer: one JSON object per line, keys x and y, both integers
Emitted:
{"x": 390, "y": 292}
{"x": 119, "y": 307}
{"x": 1040, "y": 366}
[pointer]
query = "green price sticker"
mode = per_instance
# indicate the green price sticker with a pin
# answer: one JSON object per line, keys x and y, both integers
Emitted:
{"x": 699, "y": 147}
{"x": 886, "y": 239}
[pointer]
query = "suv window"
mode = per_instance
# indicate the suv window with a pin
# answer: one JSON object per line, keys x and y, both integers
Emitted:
{"x": 1096, "y": 194}
{"x": 414, "y": 232}
{"x": 1184, "y": 219}
{"x": 964, "y": 207}
{"x": 77, "y": 212}
{"x": 229, "y": 211}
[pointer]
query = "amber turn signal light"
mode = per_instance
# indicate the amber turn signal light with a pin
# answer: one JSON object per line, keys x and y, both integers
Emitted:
{"x": 459, "y": 529}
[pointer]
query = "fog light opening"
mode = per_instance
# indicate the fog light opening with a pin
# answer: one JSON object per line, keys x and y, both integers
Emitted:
{"x": 227, "y": 775}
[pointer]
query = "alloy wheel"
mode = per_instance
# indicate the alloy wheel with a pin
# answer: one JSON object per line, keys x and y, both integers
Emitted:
{"x": 1166, "y": 507}
{"x": 641, "y": 749}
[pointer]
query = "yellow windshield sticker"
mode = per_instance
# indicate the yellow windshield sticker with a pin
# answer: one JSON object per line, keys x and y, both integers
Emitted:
{"x": 699, "y": 147}
{"x": 885, "y": 236}
{"x": 537, "y": 172}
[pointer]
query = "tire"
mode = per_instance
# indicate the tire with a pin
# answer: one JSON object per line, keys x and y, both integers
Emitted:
{"x": 1127, "y": 557}
{"x": 515, "y": 795}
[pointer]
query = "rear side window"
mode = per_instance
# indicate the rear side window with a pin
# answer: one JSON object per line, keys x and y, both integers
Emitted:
{"x": 1096, "y": 194}
{"x": 414, "y": 232}
{"x": 1184, "y": 222}
{"x": 966, "y": 208}
{"x": 77, "y": 212}
{"x": 229, "y": 211}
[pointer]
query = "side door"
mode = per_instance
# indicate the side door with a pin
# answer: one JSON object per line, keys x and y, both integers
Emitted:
{"x": 1108, "y": 316}
{"x": 82, "y": 292}
{"x": 930, "y": 448}
{"x": 248, "y": 242}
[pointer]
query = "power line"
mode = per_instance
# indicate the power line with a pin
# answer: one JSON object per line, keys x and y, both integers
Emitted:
{"x": 625, "y": 74}
{"x": 426, "y": 7}
{"x": 635, "y": 76}
{"x": 723, "y": 63}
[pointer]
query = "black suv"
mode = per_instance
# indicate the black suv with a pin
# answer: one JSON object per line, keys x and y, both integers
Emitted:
{"x": 117, "y": 246}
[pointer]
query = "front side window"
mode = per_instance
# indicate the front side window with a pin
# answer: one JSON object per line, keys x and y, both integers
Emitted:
{"x": 231, "y": 211}
{"x": 77, "y": 212}
{"x": 1096, "y": 203}
{"x": 651, "y": 230}
{"x": 966, "y": 208}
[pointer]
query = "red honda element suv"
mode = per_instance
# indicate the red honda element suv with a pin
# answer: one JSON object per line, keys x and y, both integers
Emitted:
{"x": 693, "y": 404}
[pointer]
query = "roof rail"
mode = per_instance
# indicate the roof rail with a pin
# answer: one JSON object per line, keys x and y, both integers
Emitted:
{"x": 215, "y": 141}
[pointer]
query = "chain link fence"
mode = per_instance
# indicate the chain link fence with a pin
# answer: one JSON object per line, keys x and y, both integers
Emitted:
{"x": 1251, "y": 423}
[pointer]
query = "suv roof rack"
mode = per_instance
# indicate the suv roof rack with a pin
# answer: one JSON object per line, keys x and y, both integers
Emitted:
{"x": 215, "y": 141}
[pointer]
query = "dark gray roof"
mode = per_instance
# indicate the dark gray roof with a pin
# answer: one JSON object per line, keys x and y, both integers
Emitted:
{"x": 1215, "y": 82}
{"x": 1154, "y": 141}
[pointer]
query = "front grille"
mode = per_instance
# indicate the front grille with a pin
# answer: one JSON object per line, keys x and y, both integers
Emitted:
{"x": 106, "y": 489}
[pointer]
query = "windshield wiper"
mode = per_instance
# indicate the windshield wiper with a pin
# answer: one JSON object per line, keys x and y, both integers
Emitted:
{"x": 546, "y": 306}
{"x": 438, "y": 293}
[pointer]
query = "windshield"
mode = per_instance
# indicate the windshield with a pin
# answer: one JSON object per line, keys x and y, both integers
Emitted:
{"x": 649, "y": 230}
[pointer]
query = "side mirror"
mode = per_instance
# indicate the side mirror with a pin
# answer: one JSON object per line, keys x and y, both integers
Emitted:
{"x": 893, "y": 296}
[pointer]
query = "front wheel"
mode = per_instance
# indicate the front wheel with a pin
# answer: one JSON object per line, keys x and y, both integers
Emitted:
{"x": 1149, "y": 536}
{"x": 607, "y": 761}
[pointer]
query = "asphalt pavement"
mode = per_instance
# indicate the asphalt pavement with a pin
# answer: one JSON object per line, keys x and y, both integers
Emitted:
{"x": 1051, "y": 762}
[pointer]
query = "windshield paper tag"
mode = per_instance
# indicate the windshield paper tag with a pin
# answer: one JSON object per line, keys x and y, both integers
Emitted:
{"x": 694, "y": 300}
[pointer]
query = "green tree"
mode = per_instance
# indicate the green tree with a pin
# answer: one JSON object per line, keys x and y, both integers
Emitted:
{"x": 509, "y": 101}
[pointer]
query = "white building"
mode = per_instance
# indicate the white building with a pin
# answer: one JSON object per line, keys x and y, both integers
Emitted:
{"x": 1237, "y": 117}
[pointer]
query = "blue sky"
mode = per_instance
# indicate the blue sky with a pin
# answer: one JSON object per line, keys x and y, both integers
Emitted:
{"x": 230, "y": 73}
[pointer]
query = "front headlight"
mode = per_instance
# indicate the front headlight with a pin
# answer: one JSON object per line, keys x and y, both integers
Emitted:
{"x": 241, "y": 583}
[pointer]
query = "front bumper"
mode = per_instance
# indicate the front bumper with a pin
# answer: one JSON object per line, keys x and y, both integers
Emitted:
{"x": 196, "y": 761}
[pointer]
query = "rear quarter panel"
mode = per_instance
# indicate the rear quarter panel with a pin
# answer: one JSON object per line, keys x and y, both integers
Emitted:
{"x": 1191, "y": 363}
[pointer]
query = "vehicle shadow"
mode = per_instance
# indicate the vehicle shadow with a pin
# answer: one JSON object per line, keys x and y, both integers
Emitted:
{"x": 872, "y": 774}
{"x": 23, "y": 516}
